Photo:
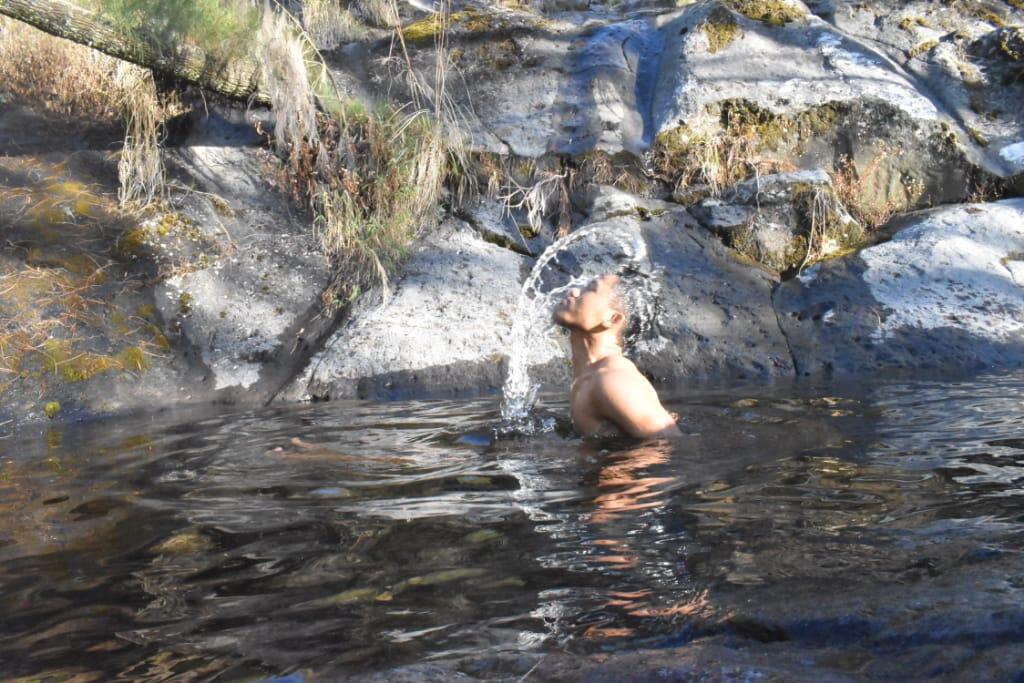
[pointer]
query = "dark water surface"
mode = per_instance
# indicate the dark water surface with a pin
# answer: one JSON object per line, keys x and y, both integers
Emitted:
{"x": 824, "y": 534}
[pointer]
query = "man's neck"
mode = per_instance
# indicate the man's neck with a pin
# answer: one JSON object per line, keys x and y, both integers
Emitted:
{"x": 589, "y": 349}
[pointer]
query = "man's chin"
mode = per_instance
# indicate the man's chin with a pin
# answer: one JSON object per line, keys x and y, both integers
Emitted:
{"x": 559, "y": 318}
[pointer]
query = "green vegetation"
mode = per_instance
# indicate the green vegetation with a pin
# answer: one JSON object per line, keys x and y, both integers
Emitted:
{"x": 908, "y": 23}
{"x": 1011, "y": 44}
{"x": 772, "y": 12}
{"x": 720, "y": 29}
{"x": 223, "y": 28}
{"x": 51, "y": 409}
{"x": 922, "y": 47}
{"x": 702, "y": 162}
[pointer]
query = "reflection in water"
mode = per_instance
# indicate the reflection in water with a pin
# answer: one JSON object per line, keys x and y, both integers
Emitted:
{"x": 856, "y": 535}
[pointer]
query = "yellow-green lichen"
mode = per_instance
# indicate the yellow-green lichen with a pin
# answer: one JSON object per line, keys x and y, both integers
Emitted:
{"x": 131, "y": 244}
{"x": 977, "y": 136}
{"x": 921, "y": 48}
{"x": 719, "y": 29}
{"x": 1011, "y": 44}
{"x": 772, "y": 12}
{"x": 158, "y": 337}
{"x": 132, "y": 359}
{"x": 59, "y": 357}
{"x": 466, "y": 21}
{"x": 910, "y": 22}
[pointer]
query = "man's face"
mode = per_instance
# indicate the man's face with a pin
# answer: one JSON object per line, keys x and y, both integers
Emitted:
{"x": 592, "y": 307}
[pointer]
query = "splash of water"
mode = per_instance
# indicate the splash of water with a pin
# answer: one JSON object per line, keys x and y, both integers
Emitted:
{"x": 571, "y": 261}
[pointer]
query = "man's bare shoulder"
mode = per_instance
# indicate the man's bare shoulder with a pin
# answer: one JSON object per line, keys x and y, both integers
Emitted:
{"x": 618, "y": 375}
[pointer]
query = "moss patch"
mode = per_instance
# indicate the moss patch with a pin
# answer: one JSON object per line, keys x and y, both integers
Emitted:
{"x": 466, "y": 21}
{"x": 772, "y": 12}
{"x": 720, "y": 29}
{"x": 51, "y": 409}
{"x": 907, "y": 23}
{"x": 1011, "y": 44}
{"x": 922, "y": 48}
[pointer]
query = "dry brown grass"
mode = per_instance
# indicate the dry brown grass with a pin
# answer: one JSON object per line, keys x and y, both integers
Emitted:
{"x": 140, "y": 168}
{"x": 86, "y": 86}
{"x": 57, "y": 75}
{"x": 330, "y": 23}
{"x": 850, "y": 183}
{"x": 373, "y": 175}
{"x": 700, "y": 163}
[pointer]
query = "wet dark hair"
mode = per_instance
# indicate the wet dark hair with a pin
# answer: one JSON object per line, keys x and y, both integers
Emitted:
{"x": 637, "y": 296}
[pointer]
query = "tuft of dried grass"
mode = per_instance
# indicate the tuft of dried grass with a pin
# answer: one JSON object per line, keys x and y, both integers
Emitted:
{"x": 287, "y": 81}
{"x": 713, "y": 159}
{"x": 374, "y": 176}
{"x": 850, "y": 185}
{"x": 57, "y": 75}
{"x": 140, "y": 168}
{"x": 378, "y": 13}
{"x": 330, "y": 25}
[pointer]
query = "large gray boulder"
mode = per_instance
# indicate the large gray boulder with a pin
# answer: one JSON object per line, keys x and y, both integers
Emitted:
{"x": 717, "y": 320}
{"x": 946, "y": 293}
{"x": 245, "y": 279}
{"x": 444, "y": 328}
{"x": 967, "y": 56}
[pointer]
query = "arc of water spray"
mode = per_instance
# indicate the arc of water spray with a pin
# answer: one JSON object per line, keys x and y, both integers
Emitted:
{"x": 532, "y": 324}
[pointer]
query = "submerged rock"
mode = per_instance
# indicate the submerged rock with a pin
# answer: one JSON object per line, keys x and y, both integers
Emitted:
{"x": 945, "y": 293}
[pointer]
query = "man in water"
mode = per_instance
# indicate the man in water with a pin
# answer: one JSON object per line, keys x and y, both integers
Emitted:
{"x": 607, "y": 389}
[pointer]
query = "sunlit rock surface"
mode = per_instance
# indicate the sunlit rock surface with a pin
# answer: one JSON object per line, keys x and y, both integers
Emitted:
{"x": 445, "y": 326}
{"x": 945, "y": 293}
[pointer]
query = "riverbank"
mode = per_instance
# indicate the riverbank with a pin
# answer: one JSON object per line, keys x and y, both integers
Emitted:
{"x": 822, "y": 198}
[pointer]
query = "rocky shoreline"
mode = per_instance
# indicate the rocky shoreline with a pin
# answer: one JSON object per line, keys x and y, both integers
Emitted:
{"x": 753, "y": 148}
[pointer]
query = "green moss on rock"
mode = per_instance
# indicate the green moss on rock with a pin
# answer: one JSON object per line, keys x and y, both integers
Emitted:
{"x": 720, "y": 29}
{"x": 922, "y": 48}
{"x": 910, "y": 22}
{"x": 772, "y": 12}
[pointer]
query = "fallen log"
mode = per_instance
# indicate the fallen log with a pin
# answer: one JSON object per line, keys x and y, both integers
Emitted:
{"x": 237, "y": 78}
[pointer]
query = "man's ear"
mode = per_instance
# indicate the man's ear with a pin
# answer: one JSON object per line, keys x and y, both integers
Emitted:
{"x": 615, "y": 318}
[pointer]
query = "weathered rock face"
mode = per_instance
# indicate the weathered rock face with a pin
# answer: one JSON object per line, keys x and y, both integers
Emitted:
{"x": 445, "y": 327}
{"x": 717, "y": 319}
{"x": 944, "y": 294}
{"x": 914, "y": 126}
{"x": 246, "y": 310}
{"x": 961, "y": 53}
{"x": 808, "y": 95}
{"x": 781, "y": 220}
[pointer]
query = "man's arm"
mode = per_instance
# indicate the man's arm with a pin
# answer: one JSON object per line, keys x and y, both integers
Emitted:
{"x": 626, "y": 398}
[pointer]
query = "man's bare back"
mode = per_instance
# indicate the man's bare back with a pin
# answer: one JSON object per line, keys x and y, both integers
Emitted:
{"x": 608, "y": 392}
{"x": 614, "y": 394}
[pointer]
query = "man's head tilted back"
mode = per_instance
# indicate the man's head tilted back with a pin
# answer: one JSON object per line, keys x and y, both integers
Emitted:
{"x": 607, "y": 389}
{"x": 596, "y": 308}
